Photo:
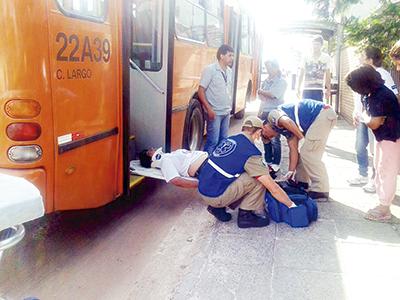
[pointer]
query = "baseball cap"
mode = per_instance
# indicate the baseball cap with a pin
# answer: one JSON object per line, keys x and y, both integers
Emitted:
{"x": 252, "y": 122}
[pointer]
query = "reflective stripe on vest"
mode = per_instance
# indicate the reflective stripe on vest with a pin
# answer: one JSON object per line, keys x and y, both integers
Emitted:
{"x": 296, "y": 116}
{"x": 221, "y": 171}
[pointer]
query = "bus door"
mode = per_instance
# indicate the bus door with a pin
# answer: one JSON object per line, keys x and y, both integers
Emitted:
{"x": 234, "y": 37}
{"x": 83, "y": 36}
{"x": 149, "y": 122}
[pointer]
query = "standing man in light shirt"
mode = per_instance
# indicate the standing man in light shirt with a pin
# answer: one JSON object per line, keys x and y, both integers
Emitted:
{"x": 316, "y": 74}
{"x": 371, "y": 56}
{"x": 272, "y": 93}
{"x": 214, "y": 95}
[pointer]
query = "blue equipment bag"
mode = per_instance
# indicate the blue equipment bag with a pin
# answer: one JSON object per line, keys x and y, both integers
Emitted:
{"x": 300, "y": 216}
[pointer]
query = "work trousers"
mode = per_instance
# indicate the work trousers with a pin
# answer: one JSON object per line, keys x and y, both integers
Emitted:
{"x": 245, "y": 189}
{"x": 387, "y": 166}
{"x": 310, "y": 167}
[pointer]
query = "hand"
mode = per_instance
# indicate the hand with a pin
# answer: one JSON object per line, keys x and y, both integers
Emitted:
{"x": 211, "y": 114}
{"x": 298, "y": 94}
{"x": 356, "y": 120}
{"x": 288, "y": 176}
{"x": 365, "y": 118}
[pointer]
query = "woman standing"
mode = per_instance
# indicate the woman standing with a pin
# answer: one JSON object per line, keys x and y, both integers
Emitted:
{"x": 381, "y": 113}
{"x": 272, "y": 94}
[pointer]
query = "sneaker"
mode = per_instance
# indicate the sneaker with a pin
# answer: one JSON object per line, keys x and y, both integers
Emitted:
{"x": 359, "y": 180}
{"x": 380, "y": 213}
{"x": 370, "y": 187}
{"x": 220, "y": 213}
{"x": 319, "y": 196}
{"x": 248, "y": 219}
{"x": 275, "y": 167}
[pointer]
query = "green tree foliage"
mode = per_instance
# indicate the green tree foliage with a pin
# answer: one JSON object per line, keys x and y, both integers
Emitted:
{"x": 381, "y": 30}
{"x": 329, "y": 9}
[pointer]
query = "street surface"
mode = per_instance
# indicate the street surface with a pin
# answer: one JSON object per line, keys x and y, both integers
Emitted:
{"x": 163, "y": 244}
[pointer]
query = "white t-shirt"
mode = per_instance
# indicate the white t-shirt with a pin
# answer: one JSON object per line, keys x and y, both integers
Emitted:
{"x": 389, "y": 83}
{"x": 314, "y": 71}
{"x": 177, "y": 163}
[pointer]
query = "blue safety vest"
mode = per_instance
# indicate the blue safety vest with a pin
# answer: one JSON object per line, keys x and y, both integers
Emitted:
{"x": 308, "y": 111}
{"x": 225, "y": 165}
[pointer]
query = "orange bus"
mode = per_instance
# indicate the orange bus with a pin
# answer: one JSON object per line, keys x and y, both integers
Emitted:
{"x": 84, "y": 84}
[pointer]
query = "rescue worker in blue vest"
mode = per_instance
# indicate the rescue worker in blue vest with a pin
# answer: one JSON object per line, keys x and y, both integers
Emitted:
{"x": 234, "y": 174}
{"x": 306, "y": 125}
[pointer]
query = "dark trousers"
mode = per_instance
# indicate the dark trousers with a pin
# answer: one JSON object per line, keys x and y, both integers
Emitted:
{"x": 273, "y": 150}
{"x": 313, "y": 94}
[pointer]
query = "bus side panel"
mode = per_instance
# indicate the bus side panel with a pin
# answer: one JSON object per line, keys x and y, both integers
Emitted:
{"x": 25, "y": 74}
{"x": 86, "y": 101}
{"x": 189, "y": 61}
{"x": 244, "y": 76}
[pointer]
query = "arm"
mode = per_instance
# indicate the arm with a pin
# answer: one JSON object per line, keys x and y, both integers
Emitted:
{"x": 203, "y": 100}
{"x": 266, "y": 94}
{"x": 293, "y": 153}
{"x": 375, "y": 122}
{"x": 287, "y": 123}
{"x": 184, "y": 183}
{"x": 276, "y": 191}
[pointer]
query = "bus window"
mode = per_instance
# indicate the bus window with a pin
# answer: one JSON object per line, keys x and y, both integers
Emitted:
{"x": 147, "y": 34}
{"x": 215, "y": 32}
{"x": 244, "y": 45}
{"x": 189, "y": 20}
{"x": 84, "y": 8}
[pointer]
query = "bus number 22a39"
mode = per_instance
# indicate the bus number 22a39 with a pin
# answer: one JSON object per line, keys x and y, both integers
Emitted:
{"x": 99, "y": 50}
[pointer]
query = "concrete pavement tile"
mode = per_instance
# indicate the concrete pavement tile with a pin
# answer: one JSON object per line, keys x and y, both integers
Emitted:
{"x": 333, "y": 210}
{"x": 366, "y": 258}
{"x": 307, "y": 255}
{"x": 320, "y": 230}
{"x": 354, "y": 197}
{"x": 226, "y": 281}
{"x": 297, "y": 284}
{"x": 267, "y": 233}
{"x": 366, "y": 231}
{"x": 250, "y": 250}
{"x": 370, "y": 286}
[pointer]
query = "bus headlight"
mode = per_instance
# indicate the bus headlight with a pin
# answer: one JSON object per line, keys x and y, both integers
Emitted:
{"x": 25, "y": 154}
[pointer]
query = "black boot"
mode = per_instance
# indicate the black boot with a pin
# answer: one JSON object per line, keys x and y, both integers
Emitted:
{"x": 303, "y": 185}
{"x": 319, "y": 196}
{"x": 220, "y": 213}
{"x": 247, "y": 219}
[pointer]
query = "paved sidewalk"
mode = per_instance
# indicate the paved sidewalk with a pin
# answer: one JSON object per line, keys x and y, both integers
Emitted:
{"x": 341, "y": 256}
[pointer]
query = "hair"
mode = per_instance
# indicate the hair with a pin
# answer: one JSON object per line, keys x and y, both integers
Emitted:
{"x": 375, "y": 54}
{"x": 318, "y": 39}
{"x": 250, "y": 130}
{"x": 145, "y": 160}
{"x": 223, "y": 49}
{"x": 395, "y": 51}
{"x": 274, "y": 64}
{"x": 364, "y": 80}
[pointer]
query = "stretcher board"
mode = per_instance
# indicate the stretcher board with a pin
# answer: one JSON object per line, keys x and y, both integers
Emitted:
{"x": 136, "y": 169}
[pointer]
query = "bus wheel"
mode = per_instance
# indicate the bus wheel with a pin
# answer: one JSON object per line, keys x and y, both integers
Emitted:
{"x": 240, "y": 114}
{"x": 194, "y": 126}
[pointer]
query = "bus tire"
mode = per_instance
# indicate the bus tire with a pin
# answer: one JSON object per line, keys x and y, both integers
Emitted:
{"x": 194, "y": 126}
{"x": 240, "y": 114}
